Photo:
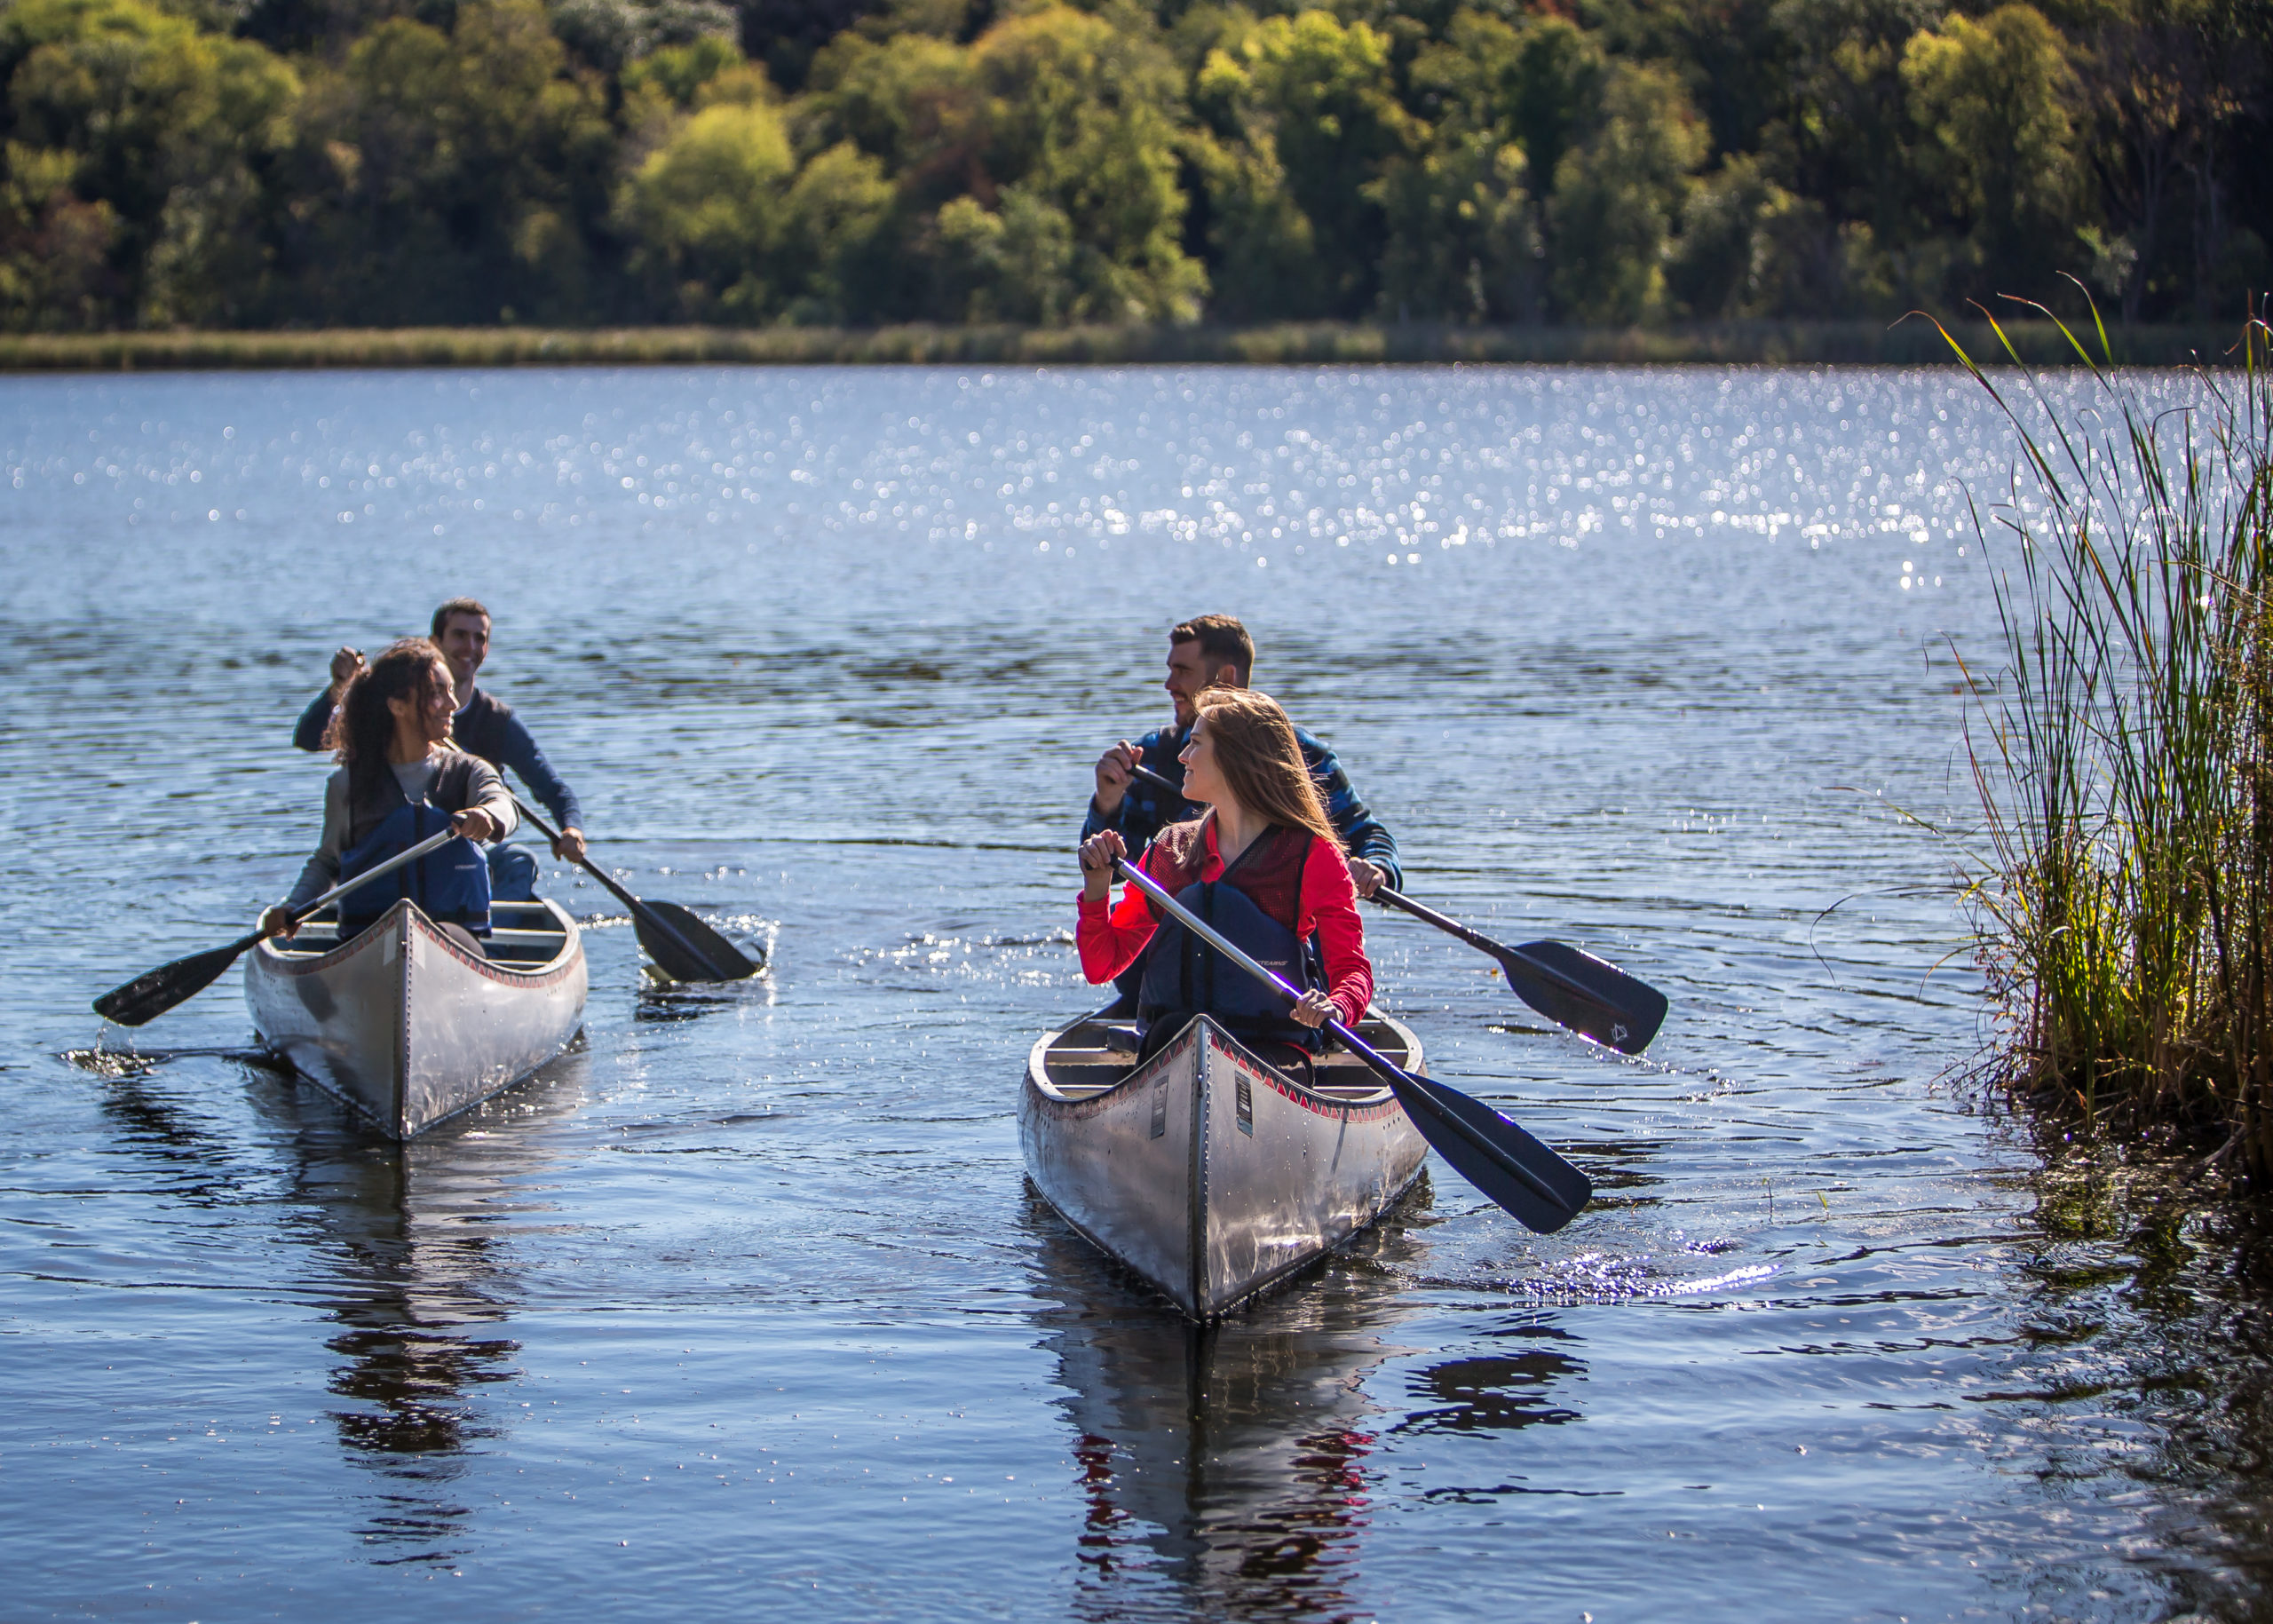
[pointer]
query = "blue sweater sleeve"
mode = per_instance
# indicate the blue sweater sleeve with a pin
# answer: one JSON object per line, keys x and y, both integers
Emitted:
{"x": 1362, "y": 834}
{"x": 522, "y": 756}
{"x": 308, "y": 734}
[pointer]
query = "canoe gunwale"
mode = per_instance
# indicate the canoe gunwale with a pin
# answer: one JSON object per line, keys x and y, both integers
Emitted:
{"x": 282, "y": 961}
{"x": 1374, "y": 1105}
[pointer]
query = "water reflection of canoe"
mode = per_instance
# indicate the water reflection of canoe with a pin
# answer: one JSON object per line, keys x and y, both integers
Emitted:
{"x": 409, "y": 1027}
{"x": 1234, "y": 1460}
{"x": 1210, "y": 1173}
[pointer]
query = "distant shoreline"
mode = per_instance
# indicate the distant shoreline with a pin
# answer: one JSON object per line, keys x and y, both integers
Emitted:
{"x": 1915, "y": 342}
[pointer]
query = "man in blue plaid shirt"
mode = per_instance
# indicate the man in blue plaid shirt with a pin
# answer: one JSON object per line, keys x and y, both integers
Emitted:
{"x": 1209, "y": 651}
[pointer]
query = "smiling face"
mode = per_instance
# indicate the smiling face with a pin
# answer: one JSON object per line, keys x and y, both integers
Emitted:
{"x": 465, "y": 644}
{"x": 1189, "y": 676}
{"x": 1203, "y": 780}
{"x": 425, "y": 715}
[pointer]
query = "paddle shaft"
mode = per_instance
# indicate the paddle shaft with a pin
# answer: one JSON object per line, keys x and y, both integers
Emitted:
{"x": 1403, "y": 1082}
{"x": 153, "y": 993}
{"x": 1534, "y": 966}
{"x": 1476, "y": 938}
{"x": 640, "y": 911}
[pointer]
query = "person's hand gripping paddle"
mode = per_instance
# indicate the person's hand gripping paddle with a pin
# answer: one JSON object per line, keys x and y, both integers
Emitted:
{"x": 1540, "y": 1189}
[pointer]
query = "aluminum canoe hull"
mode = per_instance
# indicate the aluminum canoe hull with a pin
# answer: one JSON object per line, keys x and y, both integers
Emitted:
{"x": 1210, "y": 1173}
{"x": 408, "y": 1026}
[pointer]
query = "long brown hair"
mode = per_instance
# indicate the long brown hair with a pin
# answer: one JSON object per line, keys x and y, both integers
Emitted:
{"x": 1261, "y": 761}
{"x": 362, "y": 724}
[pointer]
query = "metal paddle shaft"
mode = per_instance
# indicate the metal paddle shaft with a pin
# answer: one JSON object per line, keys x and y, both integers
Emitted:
{"x": 687, "y": 948}
{"x": 1570, "y": 988}
{"x": 1541, "y": 1190}
{"x": 1573, "y": 988}
{"x": 154, "y": 992}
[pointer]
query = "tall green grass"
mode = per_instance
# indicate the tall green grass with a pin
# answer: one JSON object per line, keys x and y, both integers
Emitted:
{"x": 2125, "y": 755}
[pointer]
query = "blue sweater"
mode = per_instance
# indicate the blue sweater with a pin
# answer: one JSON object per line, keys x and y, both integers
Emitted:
{"x": 1145, "y": 811}
{"x": 487, "y": 728}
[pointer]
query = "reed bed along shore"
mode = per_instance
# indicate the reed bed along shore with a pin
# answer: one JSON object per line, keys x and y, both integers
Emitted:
{"x": 2125, "y": 759}
{"x": 1861, "y": 342}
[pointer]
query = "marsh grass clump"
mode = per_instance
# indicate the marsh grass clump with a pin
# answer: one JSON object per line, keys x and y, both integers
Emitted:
{"x": 2126, "y": 771}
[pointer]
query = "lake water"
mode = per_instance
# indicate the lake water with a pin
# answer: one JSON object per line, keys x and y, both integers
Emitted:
{"x": 744, "y": 1308}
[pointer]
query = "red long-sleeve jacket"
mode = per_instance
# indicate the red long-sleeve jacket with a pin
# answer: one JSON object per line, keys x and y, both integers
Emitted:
{"x": 1110, "y": 936}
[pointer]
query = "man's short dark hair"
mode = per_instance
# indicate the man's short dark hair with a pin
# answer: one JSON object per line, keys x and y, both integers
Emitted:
{"x": 1222, "y": 641}
{"x": 458, "y": 606}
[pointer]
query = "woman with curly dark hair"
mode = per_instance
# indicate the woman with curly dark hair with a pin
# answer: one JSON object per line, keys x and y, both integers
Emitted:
{"x": 399, "y": 781}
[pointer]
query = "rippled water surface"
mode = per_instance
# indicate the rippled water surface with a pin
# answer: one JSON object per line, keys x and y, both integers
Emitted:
{"x": 744, "y": 1309}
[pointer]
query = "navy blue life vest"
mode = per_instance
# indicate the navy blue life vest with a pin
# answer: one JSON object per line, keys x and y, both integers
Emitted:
{"x": 450, "y": 883}
{"x": 1184, "y": 976}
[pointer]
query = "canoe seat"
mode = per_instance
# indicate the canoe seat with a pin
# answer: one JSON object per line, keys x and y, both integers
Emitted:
{"x": 505, "y": 944}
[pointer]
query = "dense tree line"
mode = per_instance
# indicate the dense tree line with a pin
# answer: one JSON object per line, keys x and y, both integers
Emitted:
{"x": 264, "y": 162}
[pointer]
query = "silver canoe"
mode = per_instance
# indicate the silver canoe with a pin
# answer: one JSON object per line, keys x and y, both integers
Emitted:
{"x": 1210, "y": 1173}
{"x": 408, "y": 1026}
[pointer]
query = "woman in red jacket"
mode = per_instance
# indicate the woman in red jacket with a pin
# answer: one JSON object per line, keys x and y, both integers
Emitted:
{"x": 1264, "y": 866}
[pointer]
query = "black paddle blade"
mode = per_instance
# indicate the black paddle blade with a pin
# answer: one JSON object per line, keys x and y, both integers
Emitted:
{"x": 1537, "y": 1187}
{"x": 153, "y": 993}
{"x": 686, "y": 949}
{"x": 1578, "y": 990}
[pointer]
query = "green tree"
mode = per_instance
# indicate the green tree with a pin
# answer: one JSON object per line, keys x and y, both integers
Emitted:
{"x": 1306, "y": 107}
{"x": 1845, "y": 137}
{"x": 706, "y": 210}
{"x": 455, "y": 176}
{"x": 839, "y": 238}
{"x": 55, "y": 246}
{"x": 1617, "y": 195}
{"x": 130, "y": 126}
{"x": 1464, "y": 241}
{"x": 1748, "y": 248}
{"x": 1082, "y": 117}
{"x": 1994, "y": 98}
{"x": 1036, "y": 168}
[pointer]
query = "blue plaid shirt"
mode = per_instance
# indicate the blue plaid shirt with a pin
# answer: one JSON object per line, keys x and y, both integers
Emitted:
{"x": 1144, "y": 811}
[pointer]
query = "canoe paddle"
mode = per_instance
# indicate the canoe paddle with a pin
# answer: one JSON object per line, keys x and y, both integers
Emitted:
{"x": 154, "y": 992}
{"x": 1572, "y": 989}
{"x": 686, "y": 948}
{"x": 1540, "y": 1189}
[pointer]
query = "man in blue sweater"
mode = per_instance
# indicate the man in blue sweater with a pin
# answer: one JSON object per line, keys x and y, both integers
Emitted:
{"x": 482, "y": 726}
{"x": 1209, "y": 651}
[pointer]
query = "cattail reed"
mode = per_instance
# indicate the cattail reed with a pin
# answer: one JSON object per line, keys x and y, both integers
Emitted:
{"x": 2124, "y": 758}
